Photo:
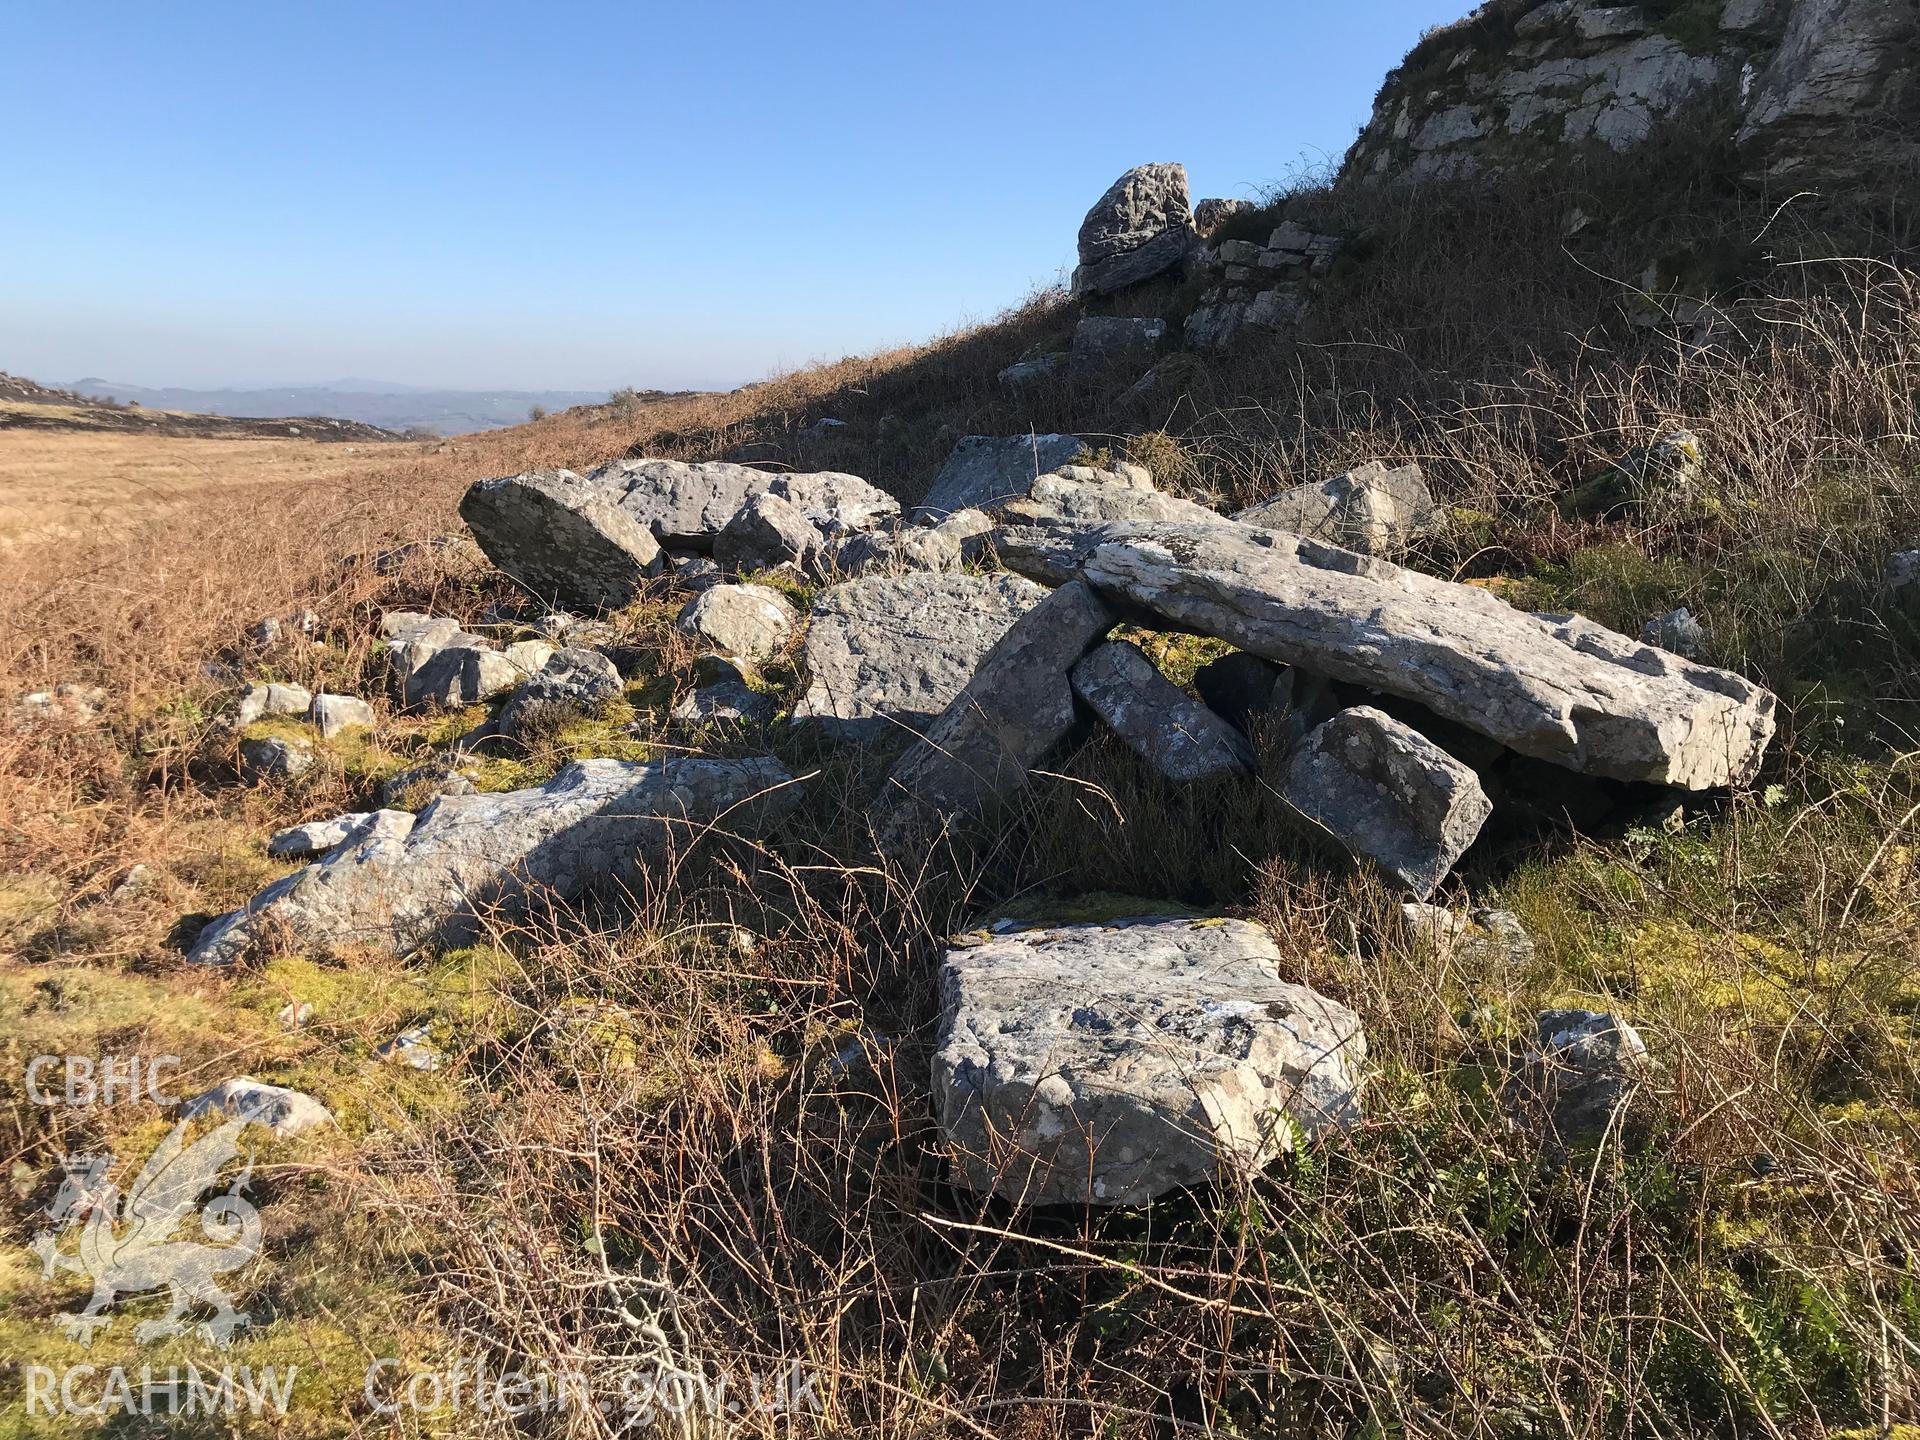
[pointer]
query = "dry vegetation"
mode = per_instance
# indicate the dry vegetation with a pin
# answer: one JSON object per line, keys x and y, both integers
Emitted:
{"x": 690, "y": 1126}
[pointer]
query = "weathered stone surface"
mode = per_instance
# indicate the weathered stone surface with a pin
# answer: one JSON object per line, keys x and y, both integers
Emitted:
{"x": 259, "y": 701}
{"x": 1017, "y": 706}
{"x": 457, "y": 675}
{"x": 1676, "y": 631}
{"x": 1058, "y": 502}
{"x": 984, "y": 469}
{"x": 687, "y": 505}
{"x": 1556, "y": 687}
{"x": 751, "y": 622}
{"x": 767, "y": 532}
{"x": 1388, "y": 793}
{"x": 408, "y": 881}
{"x": 1840, "y": 96}
{"x": 574, "y": 682}
{"x": 411, "y": 627}
{"x": 1372, "y": 509}
{"x": 694, "y": 573}
{"x": 413, "y": 1048}
{"x": 887, "y": 654}
{"x": 1478, "y": 937}
{"x": 562, "y": 538}
{"x": 316, "y": 837}
{"x": 530, "y": 657}
{"x": 420, "y": 785}
{"x": 283, "y": 1111}
{"x": 1140, "y": 228}
{"x": 1179, "y": 737}
{"x": 1209, "y": 215}
{"x": 1112, "y": 1063}
{"x": 335, "y": 714}
{"x": 1581, "y": 1073}
{"x": 1101, "y": 342}
{"x": 896, "y": 552}
{"x": 732, "y": 702}
{"x": 275, "y": 757}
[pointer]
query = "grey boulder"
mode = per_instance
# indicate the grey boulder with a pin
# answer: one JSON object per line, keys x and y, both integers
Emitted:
{"x": 1102, "y": 342}
{"x": 574, "y": 682}
{"x": 1389, "y": 794}
{"x": 562, "y": 538}
{"x": 405, "y": 881}
{"x": 767, "y": 532}
{"x": 1677, "y": 632}
{"x": 981, "y": 748}
{"x": 1372, "y": 509}
{"x": 1141, "y": 227}
{"x": 983, "y": 469}
{"x": 457, "y": 675}
{"x": 316, "y": 837}
{"x": 1581, "y": 1073}
{"x": 1181, "y": 739}
{"x": 283, "y": 1111}
{"x": 1109, "y": 1064}
{"x": 750, "y": 622}
{"x": 886, "y": 654}
{"x": 730, "y": 702}
{"x": 275, "y": 757}
{"x": 336, "y": 714}
{"x": 259, "y": 701}
{"x": 686, "y": 505}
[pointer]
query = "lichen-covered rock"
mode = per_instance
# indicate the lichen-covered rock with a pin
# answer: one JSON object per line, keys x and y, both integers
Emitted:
{"x": 1581, "y": 1074}
{"x": 984, "y": 469}
{"x": 1112, "y": 1063}
{"x": 750, "y": 622}
{"x": 767, "y": 532}
{"x": 574, "y": 682}
{"x": 1142, "y": 227}
{"x": 687, "y": 505}
{"x": 562, "y": 538}
{"x": 316, "y": 837}
{"x": 259, "y": 701}
{"x": 1388, "y": 794}
{"x": 407, "y": 881}
{"x": 275, "y": 757}
{"x": 283, "y": 1111}
{"x": 1373, "y": 509}
{"x": 1556, "y": 687}
{"x": 981, "y": 748}
{"x": 1181, "y": 739}
{"x": 336, "y": 714}
{"x": 886, "y": 654}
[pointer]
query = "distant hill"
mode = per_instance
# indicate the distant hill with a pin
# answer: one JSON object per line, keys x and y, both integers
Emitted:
{"x": 374, "y": 402}
{"x": 28, "y": 405}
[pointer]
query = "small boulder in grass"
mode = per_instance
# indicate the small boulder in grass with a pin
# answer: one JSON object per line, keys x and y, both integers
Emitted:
{"x": 259, "y": 701}
{"x": 336, "y": 714}
{"x": 748, "y": 622}
{"x": 1581, "y": 1075}
{"x": 283, "y": 1111}
{"x": 1676, "y": 632}
{"x": 275, "y": 757}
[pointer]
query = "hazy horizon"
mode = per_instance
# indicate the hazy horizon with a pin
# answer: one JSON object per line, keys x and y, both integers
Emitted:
{"x": 605, "y": 196}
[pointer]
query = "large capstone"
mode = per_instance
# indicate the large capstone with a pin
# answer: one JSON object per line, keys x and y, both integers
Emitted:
{"x": 401, "y": 881}
{"x": 985, "y": 469}
{"x": 562, "y": 538}
{"x": 886, "y": 654}
{"x": 1388, "y": 793}
{"x": 1556, "y": 687}
{"x": 1111, "y": 1063}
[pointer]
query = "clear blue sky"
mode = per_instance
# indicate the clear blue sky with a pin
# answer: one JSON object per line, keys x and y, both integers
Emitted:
{"x": 582, "y": 195}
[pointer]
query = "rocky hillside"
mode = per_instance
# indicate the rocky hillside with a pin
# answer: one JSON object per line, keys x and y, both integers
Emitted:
{"x": 1315, "y": 837}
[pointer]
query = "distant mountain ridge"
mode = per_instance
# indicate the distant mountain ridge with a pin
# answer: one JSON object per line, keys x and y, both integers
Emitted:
{"x": 389, "y": 406}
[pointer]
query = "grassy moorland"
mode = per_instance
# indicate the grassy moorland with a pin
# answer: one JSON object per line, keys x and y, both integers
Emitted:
{"x": 723, "y": 1158}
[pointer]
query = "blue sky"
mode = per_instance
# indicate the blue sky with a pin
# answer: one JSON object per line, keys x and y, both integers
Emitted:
{"x": 588, "y": 195}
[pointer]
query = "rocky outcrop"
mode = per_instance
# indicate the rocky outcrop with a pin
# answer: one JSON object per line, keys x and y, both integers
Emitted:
{"x": 1142, "y": 227}
{"x": 1246, "y": 286}
{"x": 1017, "y": 707}
{"x": 1388, "y": 794}
{"x": 562, "y": 538}
{"x": 1556, "y": 687}
{"x": 401, "y": 881}
{"x": 1819, "y": 88}
{"x": 767, "y": 532}
{"x": 983, "y": 470}
{"x": 1109, "y": 1064}
{"x": 886, "y": 654}
{"x": 1180, "y": 739}
{"x": 282, "y": 1111}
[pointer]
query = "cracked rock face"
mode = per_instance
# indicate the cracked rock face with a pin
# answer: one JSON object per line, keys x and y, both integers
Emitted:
{"x": 985, "y": 469}
{"x": 980, "y": 749}
{"x": 1386, "y": 792}
{"x": 886, "y": 654}
{"x": 687, "y": 505}
{"x": 1178, "y": 736}
{"x": 1556, "y": 687}
{"x": 562, "y": 538}
{"x": 402, "y": 881}
{"x": 1111, "y": 1063}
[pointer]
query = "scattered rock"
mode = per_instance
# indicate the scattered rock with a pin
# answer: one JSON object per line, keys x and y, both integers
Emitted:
{"x": 530, "y": 657}
{"x": 984, "y": 469}
{"x": 897, "y": 552}
{"x": 65, "y": 704}
{"x": 1582, "y": 1072}
{"x": 1676, "y": 631}
{"x": 1478, "y": 937}
{"x": 1372, "y": 509}
{"x": 752, "y": 622}
{"x": 1210, "y": 215}
{"x": 413, "y": 1048}
{"x": 283, "y": 1111}
{"x": 419, "y": 786}
{"x": 410, "y": 627}
{"x": 1023, "y": 374}
{"x": 456, "y": 675}
{"x": 316, "y": 837}
{"x": 886, "y": 654}
{"x": 295, "y": 1015}
{"x": 562, "y": 538}
{"x": 1389, "y": 794}
{"x": 1557, "y": 687}
{"x": 1110, "y": 1064}
{"x": 408, "y": 881}
{"x": 731, "y": 702}
{"x": 136, "y": 884}
{"x": 694, "y": 573}
{"x": 1179, "y": 738}
{"x": 259, "y": 701}
{"x": 1902, "y": 576}
{"x": 573, "y": 683}
{"x": 275, "y": 757}
{"x": 686, "y": 506}
{"x": 334, "y": 714}
{"x": 1140, "y": 228}
{"x": 1102, "y": 342}
{"x": 766, "y": 533}
{"x": 1017, "y": 706}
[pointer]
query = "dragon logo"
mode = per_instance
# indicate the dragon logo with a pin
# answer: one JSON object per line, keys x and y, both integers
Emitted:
{"x": 128, "y": 1246}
